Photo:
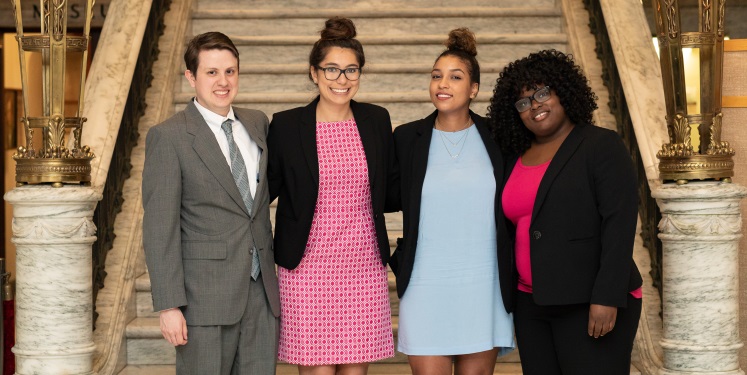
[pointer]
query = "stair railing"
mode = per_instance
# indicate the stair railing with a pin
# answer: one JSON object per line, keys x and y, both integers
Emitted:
{"x": 114, "y": 123}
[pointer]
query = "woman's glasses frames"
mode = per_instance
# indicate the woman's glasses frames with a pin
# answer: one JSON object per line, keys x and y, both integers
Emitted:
{"x": 332, "y": 73}
{"x": 540, "y": 96}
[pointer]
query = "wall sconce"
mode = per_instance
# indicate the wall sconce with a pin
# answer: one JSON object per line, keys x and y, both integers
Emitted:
{"x": 56, "y": 161}
{"x": 712, "y": 159}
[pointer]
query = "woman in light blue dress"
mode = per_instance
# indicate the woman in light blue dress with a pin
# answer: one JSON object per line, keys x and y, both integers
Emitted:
{"x": 454, "y": 264}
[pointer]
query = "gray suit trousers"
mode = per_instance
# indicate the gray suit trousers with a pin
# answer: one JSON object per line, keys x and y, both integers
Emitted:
{"x": 248, "y": 347}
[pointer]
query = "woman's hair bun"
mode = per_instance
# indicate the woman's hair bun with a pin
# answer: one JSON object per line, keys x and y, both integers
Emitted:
{"x": 337, "y": 28}
{"x": 462, "y": 39}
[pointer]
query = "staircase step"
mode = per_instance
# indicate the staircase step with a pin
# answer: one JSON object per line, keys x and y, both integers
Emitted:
{"x": 361, "y": 13}
{"x": 261, "y": 83}
{"x": 400, "y": 113}
{"x": 374, "y": 369}
{"x": 250, "y": 68}
{"x": 304, "y": 98}
{"x": 144, "y": 297}
{"x": 397, "y": 39}
{"x": 146, "y": 346}
{"x": 286, "y": 369}
{"x": 369, "y": 4}
{"x": 413, "y": 52}
{"x": 480, "y": 21}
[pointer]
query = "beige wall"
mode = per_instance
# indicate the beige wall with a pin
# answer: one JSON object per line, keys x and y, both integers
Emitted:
{"x": 735, "y": 132}
{"x": 12, "y": 81}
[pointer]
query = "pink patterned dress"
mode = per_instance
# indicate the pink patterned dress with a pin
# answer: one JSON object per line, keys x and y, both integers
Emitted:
{"x": 335, "y": 304}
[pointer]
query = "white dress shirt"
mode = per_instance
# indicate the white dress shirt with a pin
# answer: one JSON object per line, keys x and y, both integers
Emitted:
{"x": 248, "y": 148}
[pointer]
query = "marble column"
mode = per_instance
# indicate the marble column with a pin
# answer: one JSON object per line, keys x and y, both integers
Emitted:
{"x": 53, "y": 231}
{"x": 700, "y": 230}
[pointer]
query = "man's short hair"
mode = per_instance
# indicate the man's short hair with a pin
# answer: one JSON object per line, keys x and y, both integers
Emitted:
{"x": 206, "y": 42}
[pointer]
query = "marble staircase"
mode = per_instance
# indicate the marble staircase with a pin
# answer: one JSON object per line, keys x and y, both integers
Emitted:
{"x": 148, "y": 353}
{"x": 401, "y": 39}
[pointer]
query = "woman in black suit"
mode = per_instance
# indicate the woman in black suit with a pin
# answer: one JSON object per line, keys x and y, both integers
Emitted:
{"x": 331, "y": 164}
{"x": 571, "y": 195}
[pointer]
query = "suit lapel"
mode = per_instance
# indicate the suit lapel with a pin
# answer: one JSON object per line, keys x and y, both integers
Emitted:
{"x": 420, "y": 163}
{"x": 251, "y": 125}
{"x": 496, "y": 159}
{"x": 368, "y": 137}
{"x": 208, "y": 150}
{"x": 566, "y": 150}
{"x": 492, "y": 148}
{"x": 307, "y": 130}
{"x": 510, "y": 164}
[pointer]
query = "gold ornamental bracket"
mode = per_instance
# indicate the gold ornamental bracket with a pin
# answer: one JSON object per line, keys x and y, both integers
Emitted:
{"x": 712, "y": 158}
{"x": 58, "y": 161}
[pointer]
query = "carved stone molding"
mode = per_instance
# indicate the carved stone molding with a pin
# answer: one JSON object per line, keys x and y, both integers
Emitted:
{"x": 700, "y": 226}
{"x": 53, "y": 232}
{"x": 47, "y": 229}
{"x": 700, "y": 231}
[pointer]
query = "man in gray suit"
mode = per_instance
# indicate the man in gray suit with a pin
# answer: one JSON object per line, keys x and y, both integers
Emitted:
{"x": 206, "y": 228}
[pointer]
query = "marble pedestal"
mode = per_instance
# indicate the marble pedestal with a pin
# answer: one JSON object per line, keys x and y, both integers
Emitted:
{"x": 53, "y": 231}
{"x": 700, "y": 231}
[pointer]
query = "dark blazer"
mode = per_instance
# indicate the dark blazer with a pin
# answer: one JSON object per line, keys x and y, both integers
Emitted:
{"x": 412, "y": 142}
{"x": 197, "y": 234}
{"x": 293, "y": 173}
{"x": 584, "y": 221}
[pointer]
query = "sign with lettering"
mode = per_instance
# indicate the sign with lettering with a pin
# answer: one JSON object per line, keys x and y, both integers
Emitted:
{"x": 32, "y": 14}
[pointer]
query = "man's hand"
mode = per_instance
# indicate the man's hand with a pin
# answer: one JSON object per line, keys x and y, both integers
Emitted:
{"x": 174, "y": 326}
{"x": 601, "y": 320}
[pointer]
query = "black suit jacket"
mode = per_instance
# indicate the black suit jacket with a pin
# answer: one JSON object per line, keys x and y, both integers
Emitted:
{"x": 412, "y": 142}
{"x": 584, "y": 221}
{"x": 293, "y": 174}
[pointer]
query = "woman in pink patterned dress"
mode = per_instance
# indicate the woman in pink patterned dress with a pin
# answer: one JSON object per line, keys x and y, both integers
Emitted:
{"x": 331, "y": 163}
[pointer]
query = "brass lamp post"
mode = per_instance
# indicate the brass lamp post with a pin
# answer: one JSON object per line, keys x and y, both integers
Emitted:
{"x": 679, "y": 161}
{"x": 57, "y": 161}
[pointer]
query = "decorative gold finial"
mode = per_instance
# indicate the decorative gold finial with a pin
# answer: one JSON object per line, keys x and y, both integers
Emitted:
{"x": 57, "y": 161}
{"x": 713, "y": 158}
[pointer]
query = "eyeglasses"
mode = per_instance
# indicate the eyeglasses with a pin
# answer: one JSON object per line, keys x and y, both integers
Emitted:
{"x": 332, "y": 73}
{"x": 540, "y": 96}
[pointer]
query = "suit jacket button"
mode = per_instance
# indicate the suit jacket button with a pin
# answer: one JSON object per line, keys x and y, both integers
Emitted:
{"x": 536, "y": 234}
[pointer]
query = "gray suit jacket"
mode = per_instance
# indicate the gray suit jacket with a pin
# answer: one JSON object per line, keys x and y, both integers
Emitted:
{"x": 197, "y": 233}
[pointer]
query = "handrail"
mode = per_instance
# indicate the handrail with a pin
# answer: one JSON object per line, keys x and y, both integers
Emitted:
{"x": 633, "y": 77}
{"x": 125, "y": 261}
{"x": 118, "y": 73}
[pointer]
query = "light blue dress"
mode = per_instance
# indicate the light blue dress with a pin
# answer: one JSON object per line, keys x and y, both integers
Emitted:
{"x": 453, "y": 302}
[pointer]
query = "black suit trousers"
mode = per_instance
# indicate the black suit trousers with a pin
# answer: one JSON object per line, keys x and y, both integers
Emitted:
{"x": 554, "y": 340}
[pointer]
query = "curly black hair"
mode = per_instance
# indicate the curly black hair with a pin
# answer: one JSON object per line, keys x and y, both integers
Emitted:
{"x": 549, "y": 67}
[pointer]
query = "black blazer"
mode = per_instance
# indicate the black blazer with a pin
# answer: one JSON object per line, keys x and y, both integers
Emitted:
{"x": 584, "y": 221}
{"x": 412, "y": 142}
{"x": 293, "y": 174}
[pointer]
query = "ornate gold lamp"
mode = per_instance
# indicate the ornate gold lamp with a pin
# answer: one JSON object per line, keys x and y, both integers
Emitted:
{"x": 679, "y": 160}
{"x": 56, "y": 161}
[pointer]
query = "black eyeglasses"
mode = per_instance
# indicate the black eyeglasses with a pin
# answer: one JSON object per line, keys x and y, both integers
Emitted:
{"x": 332, "y": 73}
{"x": 540, "y": 96}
